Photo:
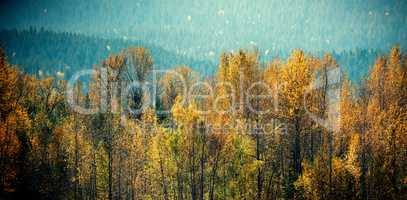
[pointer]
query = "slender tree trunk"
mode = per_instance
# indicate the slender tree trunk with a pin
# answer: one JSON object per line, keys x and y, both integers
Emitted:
{"x": 110, "y": 165}
{"x": 259, "y": 173}
{"x": 179, "y": 185}
{"x": 363, "y": 185}
{"x": 192, "y": 165}
{"x": 131, "y": 179}
{"x": 202, "y": 178}
{"x": 330, "y": 161}
{"x": 94, "y": 173}
{"x": 393, "y": 161}
{"x": 297, "y": 149}
{"x": 163, "y": 182}
{"x": 296, "y": 164}
{"x": 213, "y": 176}
{"x": 76, "y": 162}
{"x": 311, "y": 146}
{"x": 269, "y": 191}
{"x": 120, "y": 175}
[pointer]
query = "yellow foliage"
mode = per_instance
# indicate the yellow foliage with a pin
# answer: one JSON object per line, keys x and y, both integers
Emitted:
{"x": 184, "y": 114}
{"x": 352, "y": 157}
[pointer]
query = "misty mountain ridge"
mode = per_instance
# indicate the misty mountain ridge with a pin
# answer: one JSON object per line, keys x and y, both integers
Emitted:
{"x": 66, "y": 53}
{"x": 51, "y": 52}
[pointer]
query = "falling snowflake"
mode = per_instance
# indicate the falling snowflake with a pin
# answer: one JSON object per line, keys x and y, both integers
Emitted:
{"x": 387, "y": 13}
{"x": 370, "y": 13}
{"x": 108, "y": 47}
{"x": 211, "y": 53}
{"x": 221, "y": 12}
{"x": 45, "y": 10}
{"x": 14, "y": 54}
{"x": 253, "y": 43}
{"x": 266, "y": 52}
{"x": 189, "y": 18}
{"x": 60, "y": 74}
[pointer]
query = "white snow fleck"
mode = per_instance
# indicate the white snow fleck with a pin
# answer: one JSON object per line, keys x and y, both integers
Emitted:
{"x": 370, "y": 13}
{"x": 189, "y": 18}
{"x": 60, "y": 74}
{"x": 45, "y": 10}
{"x": 40, "y": 73}
{"x": 221, "y": 12}
{"x": 108, "y": 47}
{"x": 387, "y": 13}
{"x": 227, "y": 21}
{"x": 266, "y": 52}
{"x": 14, "y": 54}
{"x": 211, "y": 53}
{"x": 252, "y": 43}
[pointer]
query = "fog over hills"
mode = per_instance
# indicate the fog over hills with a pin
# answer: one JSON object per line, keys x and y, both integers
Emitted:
{"x": 53, "y": 52}
{"x": 203, "y": 29}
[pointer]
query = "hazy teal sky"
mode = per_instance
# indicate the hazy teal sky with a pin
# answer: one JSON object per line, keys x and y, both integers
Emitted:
{"x": 203, "y": 28}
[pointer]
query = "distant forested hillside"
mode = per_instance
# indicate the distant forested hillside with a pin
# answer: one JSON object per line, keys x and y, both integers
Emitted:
{"x": 356, "y": 63}
{"x": 51, "y": 52}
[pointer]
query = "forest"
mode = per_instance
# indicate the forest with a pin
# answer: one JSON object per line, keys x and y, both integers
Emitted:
{"x": 290, "y": 128}
{"x": 50, "y": 51}
{"x": 35, "y": 50}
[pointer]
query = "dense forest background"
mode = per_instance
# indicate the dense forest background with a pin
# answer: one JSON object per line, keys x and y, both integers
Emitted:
{"x": 50, "y": 51}
{"x": 53, "y": 52}
{"x": 50, "y": 151}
